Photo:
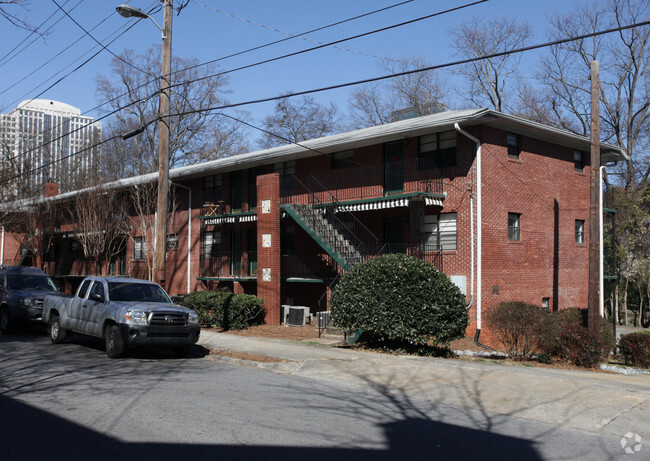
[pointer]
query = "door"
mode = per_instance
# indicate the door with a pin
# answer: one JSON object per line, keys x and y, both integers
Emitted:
{"x": 235, "y": 247}
{"x": 394, "y": 167}
{"x": 76, "y": 305}
{"x": 91, "y": 310}
{"x": 252, "y": 251}
{"x": 236, "y": 178}
{"x": 394, "y": 235}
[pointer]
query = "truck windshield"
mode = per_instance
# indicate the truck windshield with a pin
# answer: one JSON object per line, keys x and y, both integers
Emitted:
{"x": 30, "y": 282}
{"x": 137, "y": 292}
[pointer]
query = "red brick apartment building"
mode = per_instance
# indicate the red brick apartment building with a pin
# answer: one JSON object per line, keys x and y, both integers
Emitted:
{"x": 499, "y": 203}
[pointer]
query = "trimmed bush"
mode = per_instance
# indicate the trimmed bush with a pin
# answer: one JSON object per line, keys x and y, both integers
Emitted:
{"x": 398, "y": 298}
{"x": 517, "y": 326}
{"x": 581, "y": 347}
{"x": 635, "y": 347}
{"x": 226, "y": 310}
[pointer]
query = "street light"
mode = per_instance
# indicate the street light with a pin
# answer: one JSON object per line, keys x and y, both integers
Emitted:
{"x": 128, "y": 11}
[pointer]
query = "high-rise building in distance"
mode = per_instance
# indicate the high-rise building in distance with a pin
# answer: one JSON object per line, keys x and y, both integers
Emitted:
{"x": 45, "y": 141}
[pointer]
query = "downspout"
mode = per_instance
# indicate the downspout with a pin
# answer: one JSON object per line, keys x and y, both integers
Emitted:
{"x": 479, "y": 233}
{"x": 189, "y": 232}
{"x": 2, "y": 247}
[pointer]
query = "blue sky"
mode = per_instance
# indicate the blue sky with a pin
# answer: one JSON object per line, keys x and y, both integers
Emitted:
{"x": 202, "y": 32}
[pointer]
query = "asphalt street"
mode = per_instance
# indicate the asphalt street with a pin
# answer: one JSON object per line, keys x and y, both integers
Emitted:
{"x": 72, "y": 402}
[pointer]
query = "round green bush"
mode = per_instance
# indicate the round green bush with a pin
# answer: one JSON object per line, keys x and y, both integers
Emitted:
{"x": 400, "y": 298}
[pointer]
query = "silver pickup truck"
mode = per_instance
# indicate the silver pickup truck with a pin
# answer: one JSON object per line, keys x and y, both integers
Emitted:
{"x": 124, "y": 312}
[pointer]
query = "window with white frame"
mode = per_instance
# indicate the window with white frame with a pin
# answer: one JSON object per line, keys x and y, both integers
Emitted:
{"x": 139, "y": 248}
{"x": 439, "y": 231}
{"x": 211, "y": 243}
{"x": 514, "y": 227}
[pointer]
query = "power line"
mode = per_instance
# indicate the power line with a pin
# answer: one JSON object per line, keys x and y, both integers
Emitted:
{"x": 226, "y": 57}
{"x": 97, "y": 41}
{"x": 34, "y": 32}
{"x": 424, "y": 69}
{"x": 384, "y": 77}
{"x": 324, "y": 45}
{"x": 301, "y": 35}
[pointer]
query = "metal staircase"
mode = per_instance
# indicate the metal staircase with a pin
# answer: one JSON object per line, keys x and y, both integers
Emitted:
{"x": 340, "y": 234}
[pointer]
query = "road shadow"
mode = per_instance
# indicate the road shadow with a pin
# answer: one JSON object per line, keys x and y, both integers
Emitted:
{"x": 30, "y": 433}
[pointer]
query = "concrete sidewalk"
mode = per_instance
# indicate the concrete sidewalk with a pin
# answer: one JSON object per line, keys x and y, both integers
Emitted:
{"x": 608, "y": 404}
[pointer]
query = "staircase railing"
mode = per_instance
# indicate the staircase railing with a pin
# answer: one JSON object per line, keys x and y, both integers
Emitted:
{"x": 325, "y": 221}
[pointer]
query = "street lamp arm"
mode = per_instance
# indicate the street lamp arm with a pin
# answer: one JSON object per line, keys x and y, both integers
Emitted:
{"x": 128, "y": 11}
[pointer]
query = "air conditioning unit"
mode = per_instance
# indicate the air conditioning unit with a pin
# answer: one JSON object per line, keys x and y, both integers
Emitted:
{"x": 295, "y": 315}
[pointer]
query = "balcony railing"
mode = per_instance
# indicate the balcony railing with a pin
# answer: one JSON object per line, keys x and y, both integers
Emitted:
{"x": 429, "y": 253}
{"x": 361, "y": 183}
{"x": 229, "y": 264}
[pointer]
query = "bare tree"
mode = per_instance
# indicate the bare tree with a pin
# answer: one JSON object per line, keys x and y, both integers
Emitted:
{"x": 416, "y": 94}
{"x": 564, "y": 96}
{"x": 143, "y": 199}
{"x": 196, "y": 134}
{"x": 299, "y": 119}
{"x": 487, "y": 78}
{"x": 7, "y": 11}
{"x": 101, "y": 215}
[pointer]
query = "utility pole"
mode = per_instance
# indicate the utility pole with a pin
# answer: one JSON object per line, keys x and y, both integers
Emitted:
{"x": 163, "y": 144}
{"x": 594, "y": 205}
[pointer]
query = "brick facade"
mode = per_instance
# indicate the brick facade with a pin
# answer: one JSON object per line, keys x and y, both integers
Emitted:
{"x": 542, "y": 186}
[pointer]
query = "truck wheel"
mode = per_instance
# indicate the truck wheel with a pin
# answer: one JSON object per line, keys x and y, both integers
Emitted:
{"x": 4, "y": 321}
{"x": 57, "y": 334}
{"x": 114, "y": 342}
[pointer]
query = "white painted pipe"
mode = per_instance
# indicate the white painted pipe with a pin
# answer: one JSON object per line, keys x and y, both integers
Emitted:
{"x": 479, "y": 225}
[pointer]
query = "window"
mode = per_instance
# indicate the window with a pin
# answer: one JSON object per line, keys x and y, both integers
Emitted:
{"x": 438, "y": 232}
{"x": 580, "y": 231}
{"x": 139, "y": 248}
{"x": 343, "y": 159}
{"x": 546, "y": 304}
{"x": 578, "y": 161}
{"x": 211, "y": 243}
{"x": 212, "y": 188}
{"x": 97, "y": 289}
{"x": 512, "y": 141}
{"x": 514, "y": 227}
{"x": 172, "y": 242}
{"x": 437, "y": 150}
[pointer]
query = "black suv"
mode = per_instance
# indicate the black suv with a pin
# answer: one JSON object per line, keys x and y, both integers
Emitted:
{"x": 22, "y": 290}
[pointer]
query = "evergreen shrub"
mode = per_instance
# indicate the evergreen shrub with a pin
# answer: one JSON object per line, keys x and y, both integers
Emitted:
{"x": 226, "y": 310}
{"x": 400, "y": 299}
{"x": 635, "y": 347}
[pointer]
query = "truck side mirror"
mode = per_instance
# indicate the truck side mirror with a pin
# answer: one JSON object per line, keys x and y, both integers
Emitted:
{"x": 96, "y": 297}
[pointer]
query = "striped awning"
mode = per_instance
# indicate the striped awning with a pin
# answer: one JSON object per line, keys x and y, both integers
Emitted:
{"x": 248, "y": 218}
{"x": 220, "y": 220}
{"x": 433, "y": 201}
{"x": 374, "y": 205}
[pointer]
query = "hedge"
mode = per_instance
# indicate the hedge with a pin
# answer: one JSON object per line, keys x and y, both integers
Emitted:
{"x": 226, "y": 310}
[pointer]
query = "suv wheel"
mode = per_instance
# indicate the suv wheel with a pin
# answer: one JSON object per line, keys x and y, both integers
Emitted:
{"x": 4, "y": 321}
